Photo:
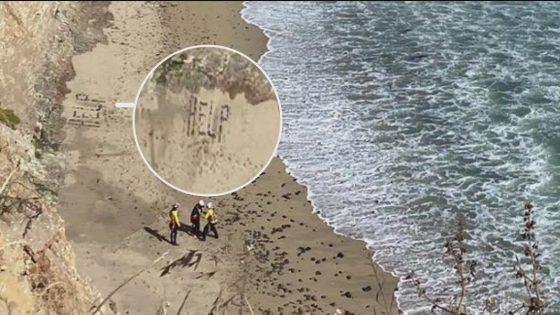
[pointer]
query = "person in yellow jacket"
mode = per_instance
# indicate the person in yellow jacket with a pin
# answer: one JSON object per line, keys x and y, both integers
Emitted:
{"x": 174, "y": 223}
{"x": 211, "y": 219}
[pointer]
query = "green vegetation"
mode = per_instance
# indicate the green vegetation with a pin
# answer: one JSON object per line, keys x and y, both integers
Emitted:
{"x": 211, "y": 68}
{"x": 9, "y": 118}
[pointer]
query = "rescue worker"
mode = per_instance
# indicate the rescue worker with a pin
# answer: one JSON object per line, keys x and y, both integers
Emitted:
{"x": 174, "y": 223}
{"x": 211, "y": 219}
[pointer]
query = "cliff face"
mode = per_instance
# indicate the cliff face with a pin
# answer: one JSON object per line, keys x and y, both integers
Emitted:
{"x": 37, "y": 273}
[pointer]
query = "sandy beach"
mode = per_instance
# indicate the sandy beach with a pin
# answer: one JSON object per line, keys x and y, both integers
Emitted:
{"x": 207, "y": 121}
{"x": 274, "y": 256}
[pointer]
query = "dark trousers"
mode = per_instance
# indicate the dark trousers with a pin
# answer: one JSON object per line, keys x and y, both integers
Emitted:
{"x": 196, "y": 227}
{"x": 173, "y": 237}
{"x": 208, "y": 227}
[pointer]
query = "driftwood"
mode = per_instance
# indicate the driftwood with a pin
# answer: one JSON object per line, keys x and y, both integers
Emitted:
{"x": 249, "y": 304}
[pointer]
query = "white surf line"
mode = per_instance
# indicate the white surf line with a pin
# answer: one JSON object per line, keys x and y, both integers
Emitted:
{"x": 125, "y": 105}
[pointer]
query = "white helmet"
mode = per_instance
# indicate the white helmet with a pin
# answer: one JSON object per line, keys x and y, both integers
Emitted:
{"x": 201, "y": 202}
{"x": 209, "y": 205}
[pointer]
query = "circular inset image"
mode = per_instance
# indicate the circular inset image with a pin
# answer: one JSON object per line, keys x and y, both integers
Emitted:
{"x": 207, "y": 120}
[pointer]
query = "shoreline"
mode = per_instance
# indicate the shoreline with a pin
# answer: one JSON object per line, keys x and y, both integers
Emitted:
{"x": 315, "y": 211}
{"x": 274, "y": 252}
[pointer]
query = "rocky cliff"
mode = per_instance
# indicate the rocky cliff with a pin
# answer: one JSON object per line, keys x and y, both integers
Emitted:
{"x": 38, "y": 40}
{"x": 37, "y": 273}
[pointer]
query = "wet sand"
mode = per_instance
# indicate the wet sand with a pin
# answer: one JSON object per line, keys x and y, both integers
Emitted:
{"x": 274, "y": 256}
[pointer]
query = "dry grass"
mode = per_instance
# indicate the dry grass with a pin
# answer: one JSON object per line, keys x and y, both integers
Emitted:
{"x": 97, "y": 308}
{"x": 465, "y": 271}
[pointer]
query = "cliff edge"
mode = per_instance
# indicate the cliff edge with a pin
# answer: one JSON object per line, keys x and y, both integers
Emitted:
{"x": 38, "y": 40}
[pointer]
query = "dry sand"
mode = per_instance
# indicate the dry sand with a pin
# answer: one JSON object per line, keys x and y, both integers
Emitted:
{"x": 207, "y": 120}
{"x": 273, "y": 253}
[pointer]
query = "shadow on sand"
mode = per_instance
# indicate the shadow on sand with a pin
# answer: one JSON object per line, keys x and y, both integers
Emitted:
{"x": 185, "y": 228}
{"x": 191, "y": 259}
{"x": 156, "y": 234}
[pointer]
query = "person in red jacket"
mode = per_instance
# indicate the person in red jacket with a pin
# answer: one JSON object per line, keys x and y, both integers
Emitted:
{"x": 195, "y": 217}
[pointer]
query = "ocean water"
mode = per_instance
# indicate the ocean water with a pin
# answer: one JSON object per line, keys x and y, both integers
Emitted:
{"x": 405, "y": 118}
